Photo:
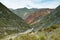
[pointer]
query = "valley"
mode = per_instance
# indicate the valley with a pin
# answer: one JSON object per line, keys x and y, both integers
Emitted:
{"x": 29, "y": 24}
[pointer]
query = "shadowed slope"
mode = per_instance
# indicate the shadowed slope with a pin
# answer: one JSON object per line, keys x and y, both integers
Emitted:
{"x": 10, "y": 22}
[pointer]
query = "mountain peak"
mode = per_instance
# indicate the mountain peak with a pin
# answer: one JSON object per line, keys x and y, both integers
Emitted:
{"x": 25, "y": 8}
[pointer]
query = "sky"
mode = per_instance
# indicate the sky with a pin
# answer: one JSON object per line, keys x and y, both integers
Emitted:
{"x": 31, "y": 3}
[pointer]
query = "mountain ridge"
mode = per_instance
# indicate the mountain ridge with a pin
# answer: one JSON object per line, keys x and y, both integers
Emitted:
{"x": 10, "y": 22}
{"x": 49, "y": 20}
{"x": 37, "y": 15}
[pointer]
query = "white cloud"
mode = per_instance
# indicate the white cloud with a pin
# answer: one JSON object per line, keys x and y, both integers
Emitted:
{"x": 51, "y": 4}
{"x": 16, "y": 3}
{"x": 30, "y": 3}
{"x": 48, "y": 4}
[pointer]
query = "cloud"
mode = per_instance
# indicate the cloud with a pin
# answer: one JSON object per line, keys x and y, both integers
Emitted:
{"x": 46, "y": 4}
{"x": 31, "y": 3}
{"x": 15, "y": 3}
{"x": 43, "y": 1}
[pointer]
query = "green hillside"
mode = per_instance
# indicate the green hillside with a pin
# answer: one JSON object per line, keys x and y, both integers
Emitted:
{"x": 47, "y": 29}
{"x": 11, "y": 23}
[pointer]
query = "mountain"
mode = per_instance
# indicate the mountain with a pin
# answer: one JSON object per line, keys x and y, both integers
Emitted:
{"x": 49, "y": 20}
{"x": 24, "y": 12}
{"x": 40, "y": 13}
{"x": 11, "y": 23}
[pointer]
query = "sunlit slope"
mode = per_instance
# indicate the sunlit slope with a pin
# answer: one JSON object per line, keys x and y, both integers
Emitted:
{"x": 37, "y": 15}
{"x": 48, "y": 20}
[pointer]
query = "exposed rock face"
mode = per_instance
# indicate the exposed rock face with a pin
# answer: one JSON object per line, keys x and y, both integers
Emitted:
{"x": 49, "y": 20}
{"x": 37, "y": 15}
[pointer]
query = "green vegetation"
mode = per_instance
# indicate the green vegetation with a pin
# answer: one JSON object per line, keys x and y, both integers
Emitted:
{"x": 52, "y": 33}
{"x": 51, "y": 28}
{"x": 10, "y": 23}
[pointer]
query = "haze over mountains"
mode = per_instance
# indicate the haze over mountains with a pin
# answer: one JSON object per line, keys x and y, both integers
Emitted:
{"x": 23, "y": 12}
{"x": 35, "y": 16}
{"x": 31, "y": 15}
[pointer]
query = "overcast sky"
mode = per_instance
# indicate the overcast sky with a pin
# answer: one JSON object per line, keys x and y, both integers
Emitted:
{"x": 31, "y": 3}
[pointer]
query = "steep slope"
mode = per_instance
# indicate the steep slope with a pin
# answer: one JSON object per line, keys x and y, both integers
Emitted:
{"x": 31, "y": 19}
{"x": 24, "y": 12}
{"x": 49, "y": 20}
{"x": 10, "y": 22}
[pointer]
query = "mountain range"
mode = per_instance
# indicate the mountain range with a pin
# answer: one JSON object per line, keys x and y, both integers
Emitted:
{"x": 41, "y": 18}
{"x": 23, "y": 12}
{"x": 37, "y": 15}
{"x": 48, "y": 20}
{"x": 22, "y": 19}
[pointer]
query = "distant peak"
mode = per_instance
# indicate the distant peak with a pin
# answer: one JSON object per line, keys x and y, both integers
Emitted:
{"x": 25, "y": 7}
{"x": 21, "y": 8}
